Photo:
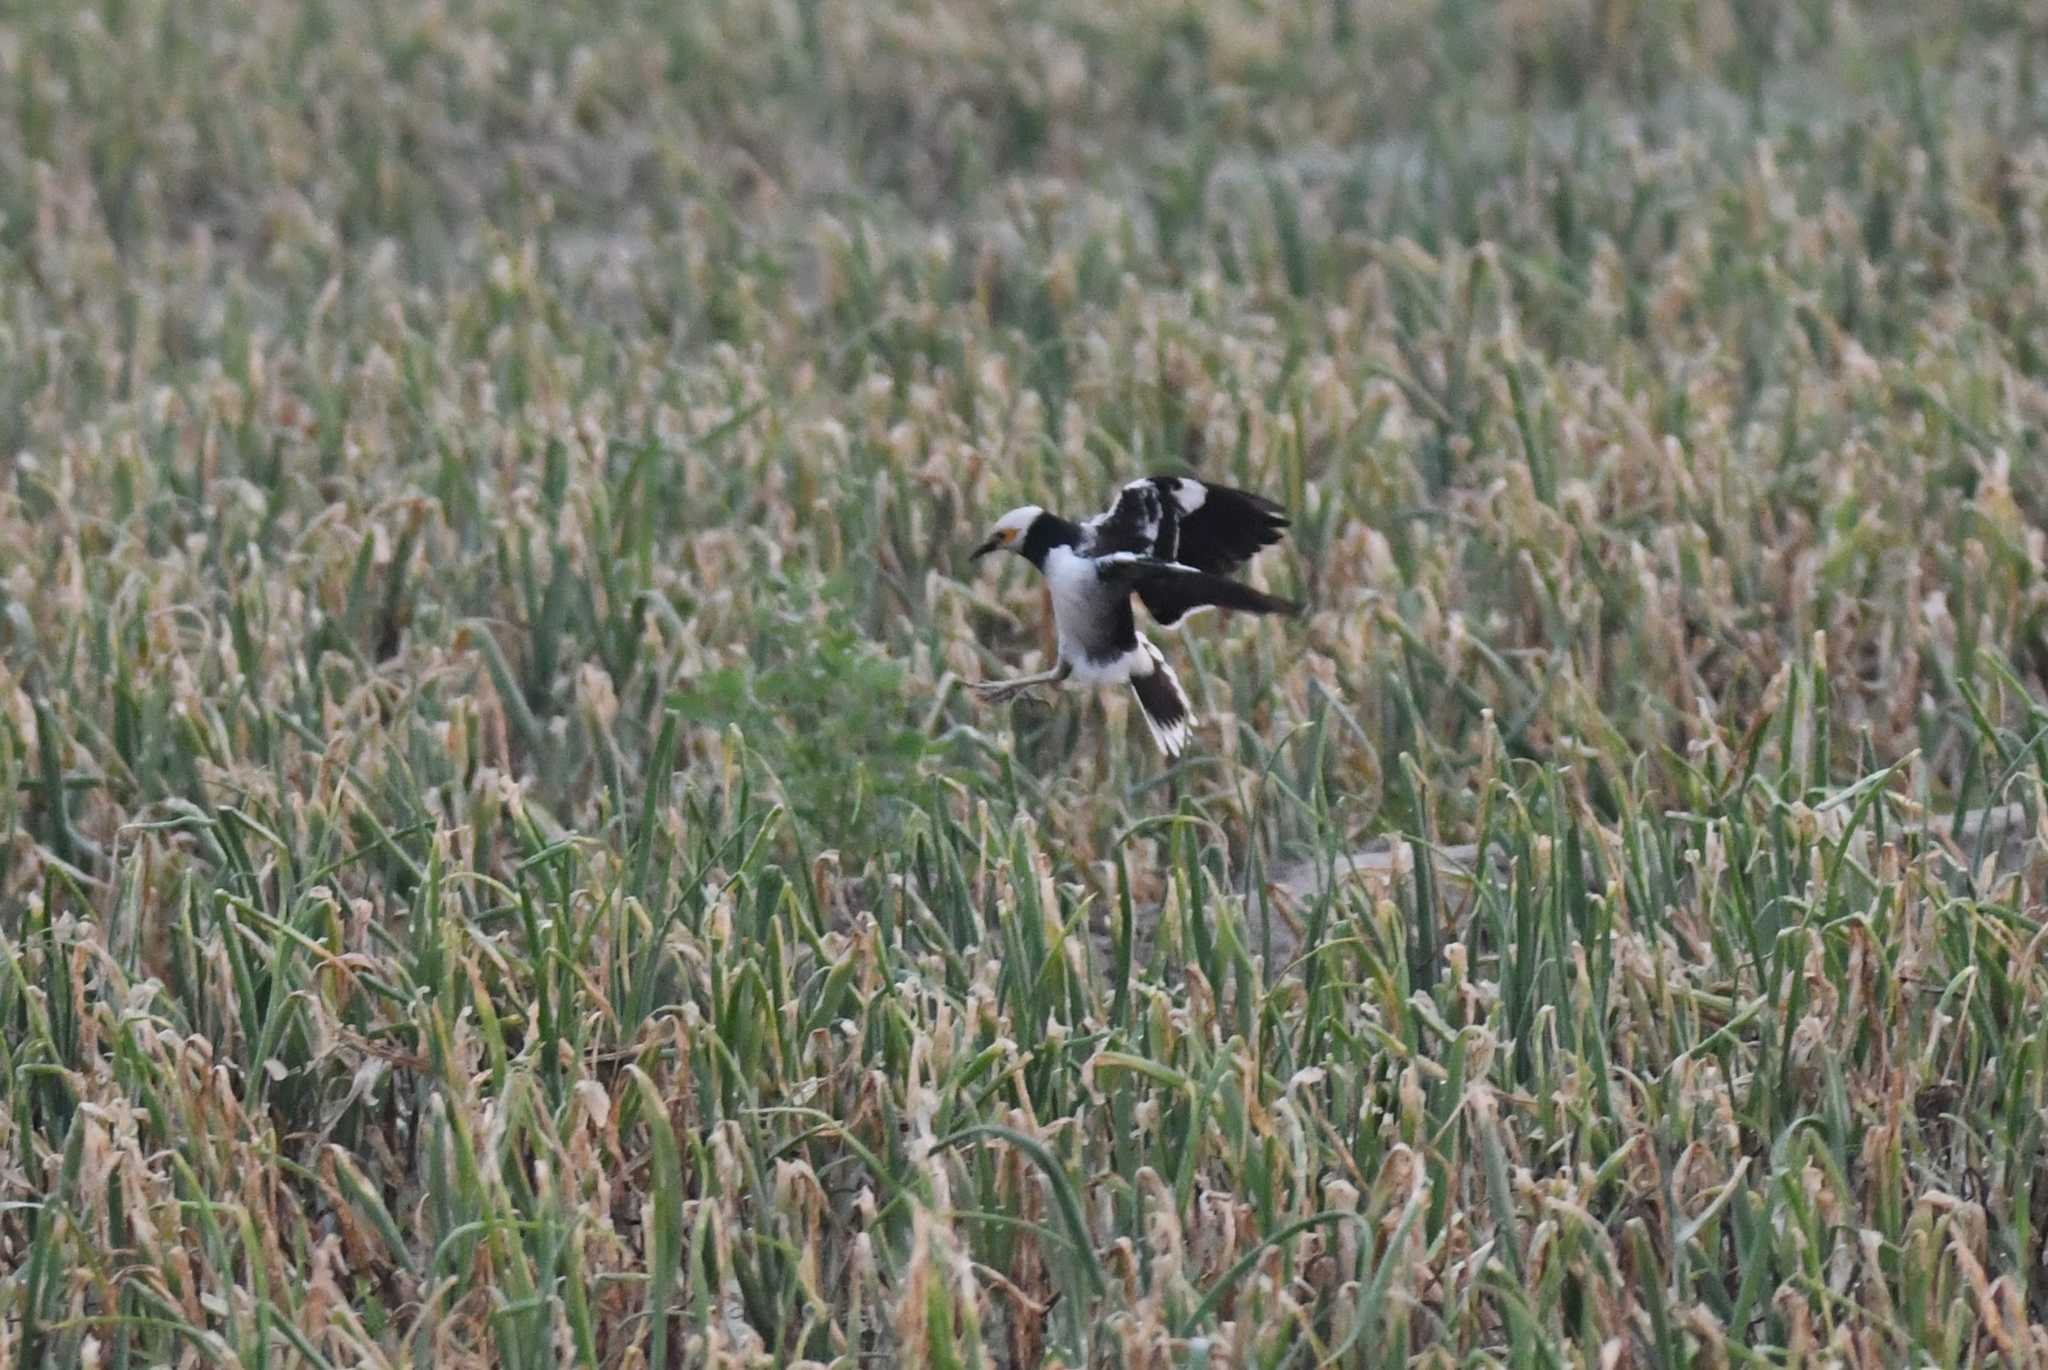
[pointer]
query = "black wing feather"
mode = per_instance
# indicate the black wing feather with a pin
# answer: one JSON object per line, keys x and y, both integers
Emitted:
{"x": 1227, "y": 529}
{"x": 1132, "y": 524}
{"x": 1197, "y": 523}
{"x": 1173, "y": 590}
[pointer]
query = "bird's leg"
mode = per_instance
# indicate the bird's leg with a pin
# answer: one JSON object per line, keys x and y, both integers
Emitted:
{"x": 997, "y": 691}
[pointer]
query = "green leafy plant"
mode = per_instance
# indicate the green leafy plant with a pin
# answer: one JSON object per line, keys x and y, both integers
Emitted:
{"x": 827, "y": 716}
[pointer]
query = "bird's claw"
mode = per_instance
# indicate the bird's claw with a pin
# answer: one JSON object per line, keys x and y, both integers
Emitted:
{"x": 999, "y": 691}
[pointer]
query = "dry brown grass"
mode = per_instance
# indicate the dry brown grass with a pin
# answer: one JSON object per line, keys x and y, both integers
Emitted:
{"x": 494, "y": 869}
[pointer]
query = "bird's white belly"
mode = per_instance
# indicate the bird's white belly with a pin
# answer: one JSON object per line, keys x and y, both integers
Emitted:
{"x": 1077, "y": 595}
{"x": 1116, "y": 672}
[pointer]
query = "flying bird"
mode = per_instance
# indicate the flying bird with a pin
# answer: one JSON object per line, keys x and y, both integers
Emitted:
{"x": 1168, "y": 541}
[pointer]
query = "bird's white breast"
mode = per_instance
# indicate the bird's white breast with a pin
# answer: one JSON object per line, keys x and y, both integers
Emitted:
{"x": 1080, "y": 598}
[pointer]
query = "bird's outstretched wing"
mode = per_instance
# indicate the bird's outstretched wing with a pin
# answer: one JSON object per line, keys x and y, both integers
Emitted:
{"x": 1196, "y": 523}
{"x": 1172, "y": 590}
{"x": 1137, "y": 523}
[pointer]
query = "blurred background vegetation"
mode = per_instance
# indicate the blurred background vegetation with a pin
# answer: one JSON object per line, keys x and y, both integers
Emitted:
{"x": 496, "y": 868}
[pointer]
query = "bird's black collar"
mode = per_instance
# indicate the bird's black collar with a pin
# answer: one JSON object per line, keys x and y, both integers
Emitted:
{"x": 1046, "y": 532}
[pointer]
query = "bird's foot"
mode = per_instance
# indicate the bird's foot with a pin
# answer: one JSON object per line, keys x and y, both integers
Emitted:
{"x": 1003, "y": 691}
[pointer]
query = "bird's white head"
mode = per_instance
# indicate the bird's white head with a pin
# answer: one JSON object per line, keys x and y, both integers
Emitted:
{"x": 1010, "y": 530}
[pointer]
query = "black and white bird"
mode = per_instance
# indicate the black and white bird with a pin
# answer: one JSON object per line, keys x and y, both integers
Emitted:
{"x": 1170, "y": 541}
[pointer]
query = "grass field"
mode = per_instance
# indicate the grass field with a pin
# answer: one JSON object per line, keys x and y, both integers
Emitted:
{"x": 497, "y": 869}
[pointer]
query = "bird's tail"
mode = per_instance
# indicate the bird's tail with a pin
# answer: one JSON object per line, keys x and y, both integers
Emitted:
{"x": 1165, "y": 705}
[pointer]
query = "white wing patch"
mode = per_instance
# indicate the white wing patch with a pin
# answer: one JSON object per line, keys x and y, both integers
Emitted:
{"x": 1141, "y": 559}
{"x": 1190, "y": 495}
